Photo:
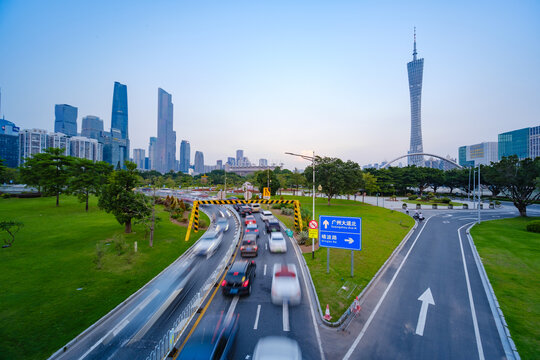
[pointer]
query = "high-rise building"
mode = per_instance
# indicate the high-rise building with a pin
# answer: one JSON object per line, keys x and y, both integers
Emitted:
{"x": 231, "y": 161}
{"x": 219, "y": 165}
{"x": 185, "y": 153}
{"x": 525, "y": 143}
{"x": 198, "y": 166}
{"x": 534, "y": 142}
{"x": 138, "y": 158}
{"x": 86, "y": 148}
{"x": 415, "y": 69}
{"x": 92, "y": 127}
{"x": 9, "y": 143}
{"x": 65, "y": 119}
{"x": 60, "y": 141}
{"x": 152, "y": 152}
{"x": 119, "y": 116}
{"x": 263, "y": 162}
{"x": 239, "y": 157}
{"x": 478, "y": 154}
{"x": 165, "y": 155}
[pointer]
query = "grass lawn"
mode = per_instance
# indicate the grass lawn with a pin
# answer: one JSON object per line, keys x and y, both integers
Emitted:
{"x": 511, "y": 257}
{"x": 52, "y": 289}
{"x": 382, "y": 231}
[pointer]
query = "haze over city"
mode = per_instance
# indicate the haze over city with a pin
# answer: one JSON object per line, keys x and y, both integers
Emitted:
{"x": 275, "y": 77}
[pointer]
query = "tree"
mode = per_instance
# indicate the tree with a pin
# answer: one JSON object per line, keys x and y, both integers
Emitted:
{"x": 297, "y": 179}
{"x": 436, "y": 178}
{"x": 119, "y": 198}
{"x": 87, "y": 177}
{"x": 490, "y": 179}
{"x": 3, "y": 171}
{"x": 267, "y": 177}
{"x": 329, "y": 173}
{"x": 452, "y": 179}
{"x": 12, "y": 228}
{"x": 370, "y": 183}
{"x": 353, "y": 178}
{"x": 517, "y": 179}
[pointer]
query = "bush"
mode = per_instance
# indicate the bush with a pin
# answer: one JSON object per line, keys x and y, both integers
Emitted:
{"x": 303, "y": 236}
{"x": 412, "y": 197}
{"x": 100, "y": 252}
{"x": 276, "y": 206}
{"x": 202, "y": 224}
{"x": 534, "y": 226}
{"x": 28, "y": 195}
{"x": 445, "y": 200}
{"x": 120, "y": 244}
{"x": 287, "y": 211}
{"x": 6, "y": 196}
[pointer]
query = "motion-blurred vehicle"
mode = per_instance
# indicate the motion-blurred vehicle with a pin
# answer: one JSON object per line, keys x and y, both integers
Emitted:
{"x": 266, "y": 215}
{"x": 276, "y": 243}
{"x": 208, "y": 243}
{"x": 285, "y": 285}
{"x": 272, "y": 225}
{"x": 245, "y": 210}
{"x": 252, "y": 229}
{"x": 250, "y": 219}
{"x": 239, "y": 278}
{"x": 222, "y": 224}
{"x": 255, "y": 207}
{"x": 249, "y": 245}
{"x": 215, "y": 343}
{"x": 277, "y": 347}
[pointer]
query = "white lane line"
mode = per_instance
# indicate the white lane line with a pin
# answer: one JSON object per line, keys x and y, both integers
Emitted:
{"x": 370, "y": 319}
{"x": 471, "y": 300}
{"x": 230, "y": 312}
{"x": 257, "y": 317}
{"x": 264, "y": 273}
{"x": 286, "y": 326}
{"x": 222, "y": 215}
{"x": 266, "y": 246}
{"x": 127, "y": 318}
{"x": 120, "y": 327}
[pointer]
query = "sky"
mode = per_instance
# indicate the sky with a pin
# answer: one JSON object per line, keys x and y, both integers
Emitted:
{"x": 277, "y": 76}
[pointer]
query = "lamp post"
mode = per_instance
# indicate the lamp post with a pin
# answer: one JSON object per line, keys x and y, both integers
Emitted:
{"x": 312, "y": 159}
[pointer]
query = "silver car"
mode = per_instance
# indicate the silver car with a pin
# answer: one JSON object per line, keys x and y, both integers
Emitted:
{"x": 277, "y": 243}
{"x": 277, "y": 348}
{"x": 285, "y": 285}
{"x": 222, "y": 224}
{"x": 208, "y": 243}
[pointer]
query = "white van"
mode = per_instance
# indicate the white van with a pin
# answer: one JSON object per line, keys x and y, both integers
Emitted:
{"x": 255, "y": 207}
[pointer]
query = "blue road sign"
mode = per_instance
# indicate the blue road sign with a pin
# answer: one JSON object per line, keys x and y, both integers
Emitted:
{"x": 340, "y": 232}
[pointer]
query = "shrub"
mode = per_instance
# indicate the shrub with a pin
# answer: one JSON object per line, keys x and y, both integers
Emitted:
{"x": 303, "y": 236}
{"x": 202, "y": 224}
{"x": 120, "y": 244}
{"x": 287, "y": 211}
{"x": 534, "y": 226}
{"x": 412, "y": 197}
{"x": 276, "y": 206}
{"x": 100, "y": 252}
{"x": 28, "y": 195}
{"x": 497, "y": 202}
{"x": 445, "y": 200}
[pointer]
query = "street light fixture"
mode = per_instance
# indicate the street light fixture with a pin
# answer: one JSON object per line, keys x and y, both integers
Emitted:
{"x": 312, "y": 159}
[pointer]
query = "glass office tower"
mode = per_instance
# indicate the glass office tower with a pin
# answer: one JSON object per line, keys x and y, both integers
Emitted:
{"x": 65, "y": 119}
{"x": 415, "y": 69}
{"x": 119, "y": 117}
{"x": 185, "y": 150}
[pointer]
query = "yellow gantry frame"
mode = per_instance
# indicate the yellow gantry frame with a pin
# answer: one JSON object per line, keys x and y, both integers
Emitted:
{"x": 194, "y": 218}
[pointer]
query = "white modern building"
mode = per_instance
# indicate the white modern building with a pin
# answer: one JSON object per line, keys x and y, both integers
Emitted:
{"x": 86, "y": 148}
{"x": 479, "y": 154}
{"x": 138, "y": 158}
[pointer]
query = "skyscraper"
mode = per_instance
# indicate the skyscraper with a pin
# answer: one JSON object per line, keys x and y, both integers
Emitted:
{"x": 165, "y": 155}
{"x": 415, "y": 69}
{"x": 92, "y": 126}
{"x": 239, "y": 157}
{"x": 119, "y": 117}
{"x": 152, "y": 153}
{"x": 138, "y": 158}
{"x": 185, "y": 153}
{"x": 65, "y": 119}
{"x": 199, "y": 162}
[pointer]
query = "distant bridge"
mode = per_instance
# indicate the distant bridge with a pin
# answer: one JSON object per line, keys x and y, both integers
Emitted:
{"x": 423, "y": 154}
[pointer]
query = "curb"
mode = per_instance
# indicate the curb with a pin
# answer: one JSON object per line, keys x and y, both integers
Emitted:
{"x": 502, "y": 327}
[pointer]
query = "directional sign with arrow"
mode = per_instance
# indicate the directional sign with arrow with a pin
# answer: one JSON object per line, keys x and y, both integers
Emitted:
{"x": 427, "y": 299}
{"x": 340, "y": 232}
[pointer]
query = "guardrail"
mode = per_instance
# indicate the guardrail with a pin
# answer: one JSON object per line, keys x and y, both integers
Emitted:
{"x": 169, "y": 339}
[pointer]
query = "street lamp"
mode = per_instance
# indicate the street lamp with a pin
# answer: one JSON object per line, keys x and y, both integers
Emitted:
{"x": 312, "y": 159}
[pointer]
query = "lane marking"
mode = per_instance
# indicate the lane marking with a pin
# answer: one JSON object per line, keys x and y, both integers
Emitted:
{"x": 427, "y": 299}
{"x": 370, "y": 319}
{"x": 266, "y": 246}
{"x": 230, "y": 312}
{"x": 264, "y": 273}
{"x": 257, "y": 317}
{"x": 127, "y": 318}
{"x": 286, "y": 326}
{"x": 471, "y": 300}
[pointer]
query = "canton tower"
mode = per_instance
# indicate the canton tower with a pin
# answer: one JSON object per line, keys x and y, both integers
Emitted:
{"x": 415, "y": 69}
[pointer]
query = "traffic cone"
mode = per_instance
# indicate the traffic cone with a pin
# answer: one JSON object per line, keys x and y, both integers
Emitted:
{"x": 327, "y": 316}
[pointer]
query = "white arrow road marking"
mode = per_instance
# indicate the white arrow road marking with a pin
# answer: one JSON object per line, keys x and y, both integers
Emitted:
{"x": 286, "y": 326}
{"x": 427, "y": 299}
{"x": 326, "y": 223}
{"x": 257, "y": 317}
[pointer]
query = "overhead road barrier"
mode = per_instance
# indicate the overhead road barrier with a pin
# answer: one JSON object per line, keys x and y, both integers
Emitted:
{"x": 194, "y": 217}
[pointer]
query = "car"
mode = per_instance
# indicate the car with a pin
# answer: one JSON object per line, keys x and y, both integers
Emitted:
{"x": 266, "y": 215}
{"x": 215, "y": 343}
{"x": 250, "y": 219}
{"x": 237, "y": 206}
{"x": 249, "y": 245}
{"x": 239, "y": 278}
{"x": 277, "y": 347}
{"x": 285, "y": 285}
{"x": 252, "y": 228}
{"x": 277, "y": 243}
{"x": 222, "y": 224}
{"x": 272, "y": 225}
{"x": 245, "y": 210}
{"x": 255, "y": 207}
{"x": 208, "y": 243}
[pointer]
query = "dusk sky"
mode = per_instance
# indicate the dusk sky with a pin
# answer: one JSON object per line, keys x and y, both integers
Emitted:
{"x": 275, "y": 76}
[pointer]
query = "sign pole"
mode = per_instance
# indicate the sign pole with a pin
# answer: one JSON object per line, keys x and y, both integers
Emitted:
{"x": 352, "y": 263}
{"x": 327, "y": 260}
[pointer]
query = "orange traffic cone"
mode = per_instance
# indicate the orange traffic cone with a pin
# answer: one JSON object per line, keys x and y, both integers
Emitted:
{"x": 327, "y": 316}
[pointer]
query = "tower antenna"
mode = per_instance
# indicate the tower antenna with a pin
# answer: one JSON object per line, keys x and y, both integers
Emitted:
{"x": 414, "y": 52}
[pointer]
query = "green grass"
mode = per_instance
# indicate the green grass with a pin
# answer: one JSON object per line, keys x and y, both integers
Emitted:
{"x": 511, "y": 257}
{"x": 53, "y": 256}
{"x": 382, "y": 231}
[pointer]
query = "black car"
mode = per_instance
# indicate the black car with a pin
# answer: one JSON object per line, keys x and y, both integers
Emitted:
{"x": 245, "y": 210}
{"x": 272, "y": 225}
{"x": 237, "y": 206}
{"x": 239, "y": 278}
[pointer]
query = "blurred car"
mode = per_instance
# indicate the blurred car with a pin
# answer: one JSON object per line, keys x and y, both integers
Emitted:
{"x": 252, "y": 229}
{"x": 255, "y": 207}
{"x": 215, "y": 343}
{"x": 277, "y": 347}
{"x": 277, "y": 243}
{"x": 249, "y": 245}
{"x": 245, "y": 210}
{"x": 285, "y": 285}
{"x": 272, "y": 225}
{"x": 250, "y": 219}
{"x": 208, "y": 243}
{"x": 266, "y": 215}
{"x": 239, "y": 278}
{"x": 222, "y": 224}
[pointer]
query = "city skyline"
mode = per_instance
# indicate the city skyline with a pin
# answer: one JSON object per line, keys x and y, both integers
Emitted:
{"x": 332, "y": 82}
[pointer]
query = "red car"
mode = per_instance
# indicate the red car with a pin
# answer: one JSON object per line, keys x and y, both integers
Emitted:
{"x": 250, "y": 219}
{"x": 252, "y": 229}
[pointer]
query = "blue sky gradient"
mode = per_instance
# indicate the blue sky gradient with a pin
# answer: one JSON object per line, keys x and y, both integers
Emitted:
{"x": 276, "y": 76}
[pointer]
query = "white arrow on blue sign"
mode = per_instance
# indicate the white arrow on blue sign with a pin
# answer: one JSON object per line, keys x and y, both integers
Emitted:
{"x": 340, "y": 232}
